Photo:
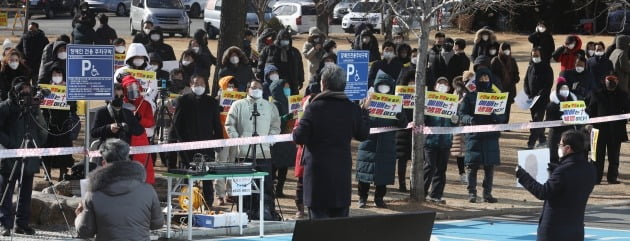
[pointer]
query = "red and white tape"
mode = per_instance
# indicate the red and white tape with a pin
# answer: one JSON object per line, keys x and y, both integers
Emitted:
{"x": 184, "y": 146}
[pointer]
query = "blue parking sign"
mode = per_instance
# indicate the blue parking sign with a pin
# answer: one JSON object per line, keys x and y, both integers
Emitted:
{"x": 90, "y": 72}
{"x": 356, "y": 64}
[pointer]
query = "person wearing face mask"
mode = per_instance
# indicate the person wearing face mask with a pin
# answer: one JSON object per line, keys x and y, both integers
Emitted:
{"x": 60, "y": 55}
{"x": 414, "y": 57}
{"x": 483, "y": 39}
{"x": 178, "y": 84}
{"x": 119, "y": 45}
{"x": 482, "y": 149}
{"x": 240, "y": 124}
{"x": 282, "y": 153}
{"x": 376, "y": 159}
{"x": 188, "y": 63}
{"x": 600, "y": 65}
{"x": 447, "y": 65}
{"x": 58, "y": 129}
{"x": 566, "y": 192}
{"x": 156, "y": 65}
{"x": 504, "y": 66}
{"x": 609, "y": 101}
{"x": 13, "y": 128}
{"x": 48, "y": 54}
{"x": 249, "y": 52}
{"x": 493, "y": 50}
{"x": 437, "y": 151}
{"x": 235, "y": 63}
{"x": 266, "y": 38}
{"x": 286, "y": 58}
{"x": 205, "y": 59}
{"x": 6, "y": 46}
{"x": 136, "y": 58}
{"x": 436, "y": 49}
{"x": 389, "y": 64}
{"x": 620, "y": 58}
{"x": 83, "y": 32}
{"x": 460, "y": 51}
{"x": 403, "y": 137}
{"x": 271, "y": 75}
{"x": 434, "y": 59}
{"x": 590, "y": 49}
{"x": 13, "y": 65}
{"x": 314, "y": 85}
{"x": 197, "y": 119}
{"x": 538, "y": 82}
{"x": 156, "y": 45}
{"x": 31, "y": 45}
{"x": 562, "y": 93}
{"x": 367, "y": 41}
{"x": 114, "y": 121}
{"x": 457, "y": 149}
{"x": 142, "y": 37}
{"x": 568, "y": 53}
{"x": 580, "y": 80}
{"x": 313, "y": 49}
{"x": 104, "y": 33}
{"x": 330, "y": 46}
{"x": 143, "y": 111}
{"x": 403, "y": 54}
{"x": 542, "y": 38}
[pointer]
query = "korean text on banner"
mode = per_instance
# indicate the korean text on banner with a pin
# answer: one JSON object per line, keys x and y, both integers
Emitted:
{"x": 440, "y": 104}
{"x": 487, "y": 103}
{"x": 119, "y": 61}
{"x": 535, "y": 162}
{"x": 295, "y": 104}
{"x": 90, "y": 72}
{"x": 355, "y": 63}
{"x": 408, "y": 93}
{"x": 594, "y": 138}
{"x": 574, "y": 112}
{"x": 228, "y": 97}
{"x": 385, "y": 106}
{"x": 57, "y": 98}
{"x": 147, "y": 79}
{"x": 4, "y": 19}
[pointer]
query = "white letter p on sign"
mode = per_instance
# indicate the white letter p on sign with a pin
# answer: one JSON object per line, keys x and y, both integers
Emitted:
{"x": 86, "y": 65}
{"x": 349, "y": 71}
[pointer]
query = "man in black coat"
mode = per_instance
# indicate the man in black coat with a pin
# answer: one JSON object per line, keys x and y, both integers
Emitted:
{"x": 156, "y": 45}
{"x": 448, "y": 64}
{"x": 114, "y": 121}
{"x": 83, "y": 33}
{"x": 143, "y": 35}
{"x": 600, "y": 65}
{"x": 104, "y": 33}
{"x": 542, "y": 38}
{"x": 367, "y": 41}
{"x": 389, "y": 64}
{"x": 326, "y": 129}
{"x": 609, "y": 101}
{"x": 566, "y": 192}
{"x": 32, "y": 46}
{"x": 287, "y": 58}
{"x": 538, "y": 82}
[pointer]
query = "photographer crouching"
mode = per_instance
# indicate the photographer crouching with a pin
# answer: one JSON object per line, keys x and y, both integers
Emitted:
{"x": 20, "y": 119}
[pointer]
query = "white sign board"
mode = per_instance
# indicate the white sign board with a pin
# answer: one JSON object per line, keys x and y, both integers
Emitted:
{"x": 535, "y": 162}
{"x": 241, "y": 186}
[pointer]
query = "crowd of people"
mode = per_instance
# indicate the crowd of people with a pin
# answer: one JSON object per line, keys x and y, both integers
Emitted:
{"x": 321, "y": 150}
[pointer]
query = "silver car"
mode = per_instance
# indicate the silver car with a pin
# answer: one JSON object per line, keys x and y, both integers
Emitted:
{"x": 341, "y": 9}
{"x": 120, "y": 7}
{"x": 170, "y": 15}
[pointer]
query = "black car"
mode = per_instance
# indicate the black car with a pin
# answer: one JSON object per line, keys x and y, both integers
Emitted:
{"x": 52, "y": 8}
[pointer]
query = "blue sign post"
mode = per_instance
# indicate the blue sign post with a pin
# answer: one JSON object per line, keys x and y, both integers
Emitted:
{"x": 90, "y": 72}
{"x": 356, "y": 64}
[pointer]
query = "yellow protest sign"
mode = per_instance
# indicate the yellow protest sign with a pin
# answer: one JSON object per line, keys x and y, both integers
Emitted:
{"x": 229, "y": 97}
{"x": 574, "y": 112}
{"x": 295, "y": 103}
{"x": 56, "y": 99}
{"x": 385, "y": 106}
{"x": 594, "y": 138}
{"x": 487, "y": 103}
{"x": 81, "y": 106}
{"x": 408, "y": 93}
{"x": 440, "y": 104}
{"x": 4, "y": 19}
{"x": 119, "y": 61}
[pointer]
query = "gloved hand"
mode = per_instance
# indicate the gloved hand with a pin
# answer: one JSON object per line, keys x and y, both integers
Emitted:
{"x": 588, "y": 128}
{"x": 551, "y": 167}
{"x": 520, "y": 172}
{"x": 455, "y": 119}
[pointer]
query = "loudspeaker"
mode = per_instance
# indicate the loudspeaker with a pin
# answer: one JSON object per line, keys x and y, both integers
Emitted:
{"x": 415, "y": 226}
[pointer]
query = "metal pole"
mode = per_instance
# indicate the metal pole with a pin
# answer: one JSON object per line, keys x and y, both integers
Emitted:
{"x": 28, "y": 2}
{"x": 87, "y": 137}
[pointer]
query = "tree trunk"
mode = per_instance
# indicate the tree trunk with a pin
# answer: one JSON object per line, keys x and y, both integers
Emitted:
{"x": 232, "y": 21}
{"x": 417, "y": 155}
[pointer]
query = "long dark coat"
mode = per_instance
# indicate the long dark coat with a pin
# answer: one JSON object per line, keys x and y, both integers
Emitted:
{"x": 328, "y": 125}
{"x": 282, "y": 153}
{"x": 100, "y": 127}
{"x": 291, "y": 70}
{"x": 603, "y": 103}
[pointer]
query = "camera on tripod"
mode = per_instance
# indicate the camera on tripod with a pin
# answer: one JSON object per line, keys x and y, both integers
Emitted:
{"x": 33, "y": 98}
{"x": 164, "y": 92}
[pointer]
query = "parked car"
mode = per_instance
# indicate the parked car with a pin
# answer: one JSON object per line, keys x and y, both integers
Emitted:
{"x": 120, "y": 7}
{"x": 212, "y": 17}
{"x": 195, "y": 7}
{"x": 52, "y": 8}
{"x": 298, "y": 16}
{"x": 619, "y": 21}
{"x": 363, "y": 12}
{"x": 341, "y": 9}
{"x": 170, "y": 15}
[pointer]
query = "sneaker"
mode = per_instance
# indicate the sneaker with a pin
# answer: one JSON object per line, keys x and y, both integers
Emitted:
{"x": 463, "y": 178}
{"x": 472, "y": 198}
{"x": 5, "y": 231}
{"x": 25, "y": 230}
{"x": 362, "y": 203}
{"x": 436, "y": 201}
{"x": 490, "y": 199}
{"x": 380, "y": 204}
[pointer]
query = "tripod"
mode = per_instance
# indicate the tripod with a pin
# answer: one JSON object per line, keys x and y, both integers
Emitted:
{"x": 161, "y": 132}
{"x": 27, "y": 142}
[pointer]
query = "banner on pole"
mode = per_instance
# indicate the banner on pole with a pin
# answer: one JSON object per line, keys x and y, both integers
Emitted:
{"x": 594, "y": 138}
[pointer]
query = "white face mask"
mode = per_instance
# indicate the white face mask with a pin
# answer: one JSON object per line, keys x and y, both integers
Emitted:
{"x": 185, "y": 62}
{"x": 274, "y": 77}
{"x": 564, "y": 93}
{"x": 62, "y": 55}
{"x": 492, "y": 52}
{"x": 560, "y": 152}
{"x": 334, "y": 51}
{"x": 441, "y": 88}
{"x": 506, "y": 52}
{"x": 155, "y": 37}
{"x": 234, "y": 59}
{"x": 536, "y": 59}
{"x": 383, "y": 89}
{"x": 571, "y": 46}
{"x": 485, "y": 37}
{"x": 198, "y": 90}
{"x": 414, "y": 60}
{"x": 599, "y": 53}
{"x": 146, "y": 31}
{"x": 138, "y": 62}
{"x": 57, "y": 79}
{"x": 14, "y": 65}
{"x": 579, "y": 69}
{"x": 366, "y": 40}
{"x": 229, "y": 89}
{"x": 591, "y": 52}
{"x": 541, "y": 29}
{"x": 120, "y": 49}
{"x": 388, "y": 55}
{"x": 196, "y": 49}
{"x": 256, "y": 94}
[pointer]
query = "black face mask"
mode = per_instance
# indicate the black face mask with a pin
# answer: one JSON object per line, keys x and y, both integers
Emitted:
{"x": 447, "y": 47}
{"x": 117, "y": 102}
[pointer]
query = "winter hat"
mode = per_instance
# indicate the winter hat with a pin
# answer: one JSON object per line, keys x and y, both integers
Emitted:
{"x": 223, "y": 82}
{"x": 612, "y": 78}
{"x": 268, "y": 69}
{"x": 7, "y": 44}
{"x": 560, "y": 81}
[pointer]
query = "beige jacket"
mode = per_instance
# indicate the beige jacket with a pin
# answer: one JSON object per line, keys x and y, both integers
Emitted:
{"x": 240, "y": 123}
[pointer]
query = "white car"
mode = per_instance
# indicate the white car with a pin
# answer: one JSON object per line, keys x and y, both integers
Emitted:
{"x": 299, "y": 16}
{"x": 363, "y": 12}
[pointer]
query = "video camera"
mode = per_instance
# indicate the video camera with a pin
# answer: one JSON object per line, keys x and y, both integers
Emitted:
{"x": 164, "y": 92}
{"x": 33, "y": 98}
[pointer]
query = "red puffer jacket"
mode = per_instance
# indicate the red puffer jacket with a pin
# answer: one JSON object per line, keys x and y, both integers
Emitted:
{"x": 299, "y": 169}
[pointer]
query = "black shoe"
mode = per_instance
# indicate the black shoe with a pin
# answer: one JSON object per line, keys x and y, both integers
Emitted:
{"x": 490, "y": 199}
{"x": 380, "y": 203}
{"x": 531, "y": 146}
{"x": 614, "y": 182}
{"x": 25, "y": 230}
{"x": 472, "y": 198}
{"x": 5, "y": 231}
{"x": 403, "y": 189}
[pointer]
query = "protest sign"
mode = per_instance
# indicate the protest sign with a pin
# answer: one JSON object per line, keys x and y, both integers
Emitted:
{"x": 56, "y": 99}
{"x": 408, "y": 93}
{"x": 4, "y": 19}
{"x": 229, "y": 97}
{"x": 385, "y": 106}
{"x": 119, "y": 61}
{"x": 440, "y": 104}
{"x": 147, "y": 79}
{"x": 295, "y": 104}
{"x": 524, "y": 102}
{"x": 594, "y": 138}
{"x": 487, "y": 103}
{"x": 535, "y": 162}
{"x": 170, "y": 65}
{"x": 573, "y": 112}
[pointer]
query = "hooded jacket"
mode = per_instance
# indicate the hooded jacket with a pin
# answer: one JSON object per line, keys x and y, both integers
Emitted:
{"x": 268, "y": 32}
{"x": 45, "y": 76}
{"x": 620, "y": 58}
{"x": 314, "y": 85}
{"x": 287, "y": 59}
{"x": 282, "y": 153}
{"x": 135, "y": 49}
{"x": 32, "y": 46}
{"x": 119, "y": 205}
{"x": 267, "y": 82}
{"x": 163, "y": 50}
{"x": 481, "y": 46}
{"x": 7, "y": 75}
{"x": 238, "y": 124}
{"x": 392, "y": 67}
{"x": 546, "y": 43}
{"x": 310, "y": 53}
{"x": 242, "y": 71}
{"x": 205, "y": 58}
{"x": 505, "y": 67}
{"x": 371, "y": 46}
{"x": 567, "y": 57}
{"x": 159, "y": 73}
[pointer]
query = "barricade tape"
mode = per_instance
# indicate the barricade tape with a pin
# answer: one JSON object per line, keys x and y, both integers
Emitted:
{"x": 184, "y": 146}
